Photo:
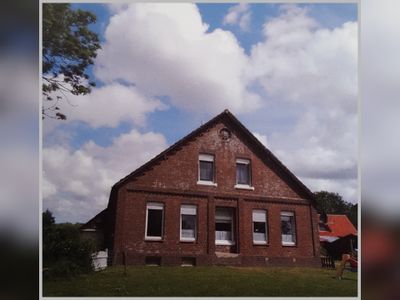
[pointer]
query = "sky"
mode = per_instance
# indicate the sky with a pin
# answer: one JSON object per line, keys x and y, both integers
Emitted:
{"x": 288, "y": 72}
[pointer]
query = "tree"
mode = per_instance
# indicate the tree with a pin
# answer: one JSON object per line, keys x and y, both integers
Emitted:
{"x": 333, "y": 203}
{"x": 69, "y": 47}
{"x": 353, "y": 215}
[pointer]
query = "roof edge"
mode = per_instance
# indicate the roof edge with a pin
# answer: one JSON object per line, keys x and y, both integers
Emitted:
{"x": 224, "y": 113}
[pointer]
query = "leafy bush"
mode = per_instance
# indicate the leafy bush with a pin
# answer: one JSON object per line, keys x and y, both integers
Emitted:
{"x": 65, "y": 253}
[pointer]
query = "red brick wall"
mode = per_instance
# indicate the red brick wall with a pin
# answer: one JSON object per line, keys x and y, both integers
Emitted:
{"x": 179, "y": 172}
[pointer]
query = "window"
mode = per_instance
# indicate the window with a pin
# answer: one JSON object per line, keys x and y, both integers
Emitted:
{"x": 206, "y": 169}
{"x": 188, "y": 222}
{"x": 224, "y": 226}
{"x": 153, "y": 261}
{"x": 243, "y": 174}
{"x": 154, "y": 221}
{"x": 188, "y": 261}
{"x": 288, "y": 229}
{"x": 259, "y": 227}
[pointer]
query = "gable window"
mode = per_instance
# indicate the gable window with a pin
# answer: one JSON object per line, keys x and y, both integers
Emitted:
{"x": 288, "y": 228}
{"x": 154, "y": 221}
{"x": 260, "y": 227}
{"x": 243, "y": 174}
{"x": 224, "y": 226}
{"x": 188, "y": 222}
{"x": 206, "y": 169}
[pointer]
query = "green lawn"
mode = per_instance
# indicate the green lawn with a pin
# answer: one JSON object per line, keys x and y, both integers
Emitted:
{"x": 205, "y": 281}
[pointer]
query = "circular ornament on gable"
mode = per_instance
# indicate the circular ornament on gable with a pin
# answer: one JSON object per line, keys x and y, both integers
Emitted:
{"x": 225, "y": 134}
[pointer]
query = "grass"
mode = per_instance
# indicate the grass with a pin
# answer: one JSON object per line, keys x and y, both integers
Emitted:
{"x": 205, "y": 281}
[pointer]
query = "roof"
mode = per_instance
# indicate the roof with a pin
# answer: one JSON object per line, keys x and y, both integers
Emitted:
{"x": 339, "y": 226}
{"x": 93, "y": 222}
{"x": 228, "y": 118}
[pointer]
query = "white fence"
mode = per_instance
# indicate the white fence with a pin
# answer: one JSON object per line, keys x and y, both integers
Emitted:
{"x": 99, "y": 260}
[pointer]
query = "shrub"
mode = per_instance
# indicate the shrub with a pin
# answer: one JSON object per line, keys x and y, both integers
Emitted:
{"x": 65, "y": 253}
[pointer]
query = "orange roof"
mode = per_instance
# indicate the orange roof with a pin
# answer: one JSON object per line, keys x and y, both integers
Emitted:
{"x": 339, "y": 226}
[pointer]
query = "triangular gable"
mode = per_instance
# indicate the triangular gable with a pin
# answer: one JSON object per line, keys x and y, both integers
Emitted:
{"x": 263, "y": 153}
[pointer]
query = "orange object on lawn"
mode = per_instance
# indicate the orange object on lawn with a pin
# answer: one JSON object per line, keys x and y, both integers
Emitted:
{"x": 345, "y": 258}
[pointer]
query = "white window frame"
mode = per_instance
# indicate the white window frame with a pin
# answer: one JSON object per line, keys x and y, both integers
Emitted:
{"x": 264, "y": 212}
{"x": 289, "y": 214}
{"x": 244, "y": 161}
{"x": 210, "y": 158}
{"x": 225, "y": 242}
{"x": 155, "y": 206}
{"x": 190, "y": 210}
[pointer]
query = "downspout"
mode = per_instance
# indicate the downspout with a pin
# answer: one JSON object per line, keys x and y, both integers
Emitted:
{"x": 312, "y": 230}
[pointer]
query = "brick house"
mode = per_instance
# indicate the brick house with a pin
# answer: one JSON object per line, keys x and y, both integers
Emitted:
{"x": 216, "y": 197}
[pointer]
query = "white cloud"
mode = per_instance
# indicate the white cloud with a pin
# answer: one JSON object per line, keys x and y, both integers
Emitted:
{"x": 239, "y": 14}
{"x": 108, "y": 106}
{"x": 303, "y": 63}
{"x": 165, "y": 49}
{"x": 262, "y": 138}
{"x": 312, "y": 71}
{"x": 76, "y": 184}
{"x": 346, "y": 188}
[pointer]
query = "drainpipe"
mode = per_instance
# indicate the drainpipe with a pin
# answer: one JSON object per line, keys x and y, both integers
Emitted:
{"x": 312, "y": 230}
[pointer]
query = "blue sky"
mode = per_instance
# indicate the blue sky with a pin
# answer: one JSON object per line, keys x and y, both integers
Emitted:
{"x": 294, "y": 87}
{"x": 329, "y": 16}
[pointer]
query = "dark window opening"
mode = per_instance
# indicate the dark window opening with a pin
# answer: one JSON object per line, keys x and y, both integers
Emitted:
{"x": 259, "y": 227}
{"x": 153, "y": 261}
{"x": 154, "y": 222}
{"x": 220, "y": 226}
{"x": 188, "y": 261}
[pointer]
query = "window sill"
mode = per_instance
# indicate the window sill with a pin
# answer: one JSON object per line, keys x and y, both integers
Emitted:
{"x": 289, "y": 244}
{"x": 244, "y": 187}
{"x": 153, "y": 239}
{"x": 225, "y": 243}
{"x": 260, "y": 243}
{"x": 209, "y": 183}
{"x": 187, "y": 240}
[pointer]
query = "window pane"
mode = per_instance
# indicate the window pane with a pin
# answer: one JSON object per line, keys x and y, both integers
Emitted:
{"x": 288, "y": 229}
{"x": 242, "y": 173}
{"x": 206, "y": 170}
{"x": 219, "y": 226}
{"x": 223, "y": 235}
{"x": 154, "y": 222}
{"x": 259, "y": 227}
{"x": 223, "y": 224}
{"x": 223, "y": 231}
{"x": 259, "y": 232}
{"x": 188, "y": 226}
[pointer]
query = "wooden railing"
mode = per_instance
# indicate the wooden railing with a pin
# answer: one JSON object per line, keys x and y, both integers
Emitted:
{"x": 327, "y": 262}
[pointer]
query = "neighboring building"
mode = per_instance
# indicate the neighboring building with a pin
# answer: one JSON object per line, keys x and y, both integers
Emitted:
{"x": 217, "y": 196}
{"x": 337, "y": 235}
